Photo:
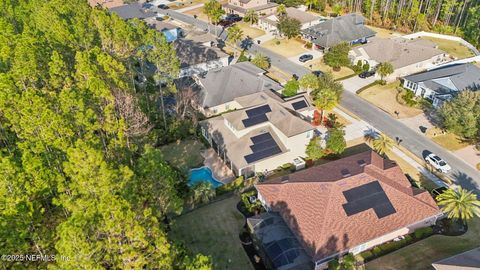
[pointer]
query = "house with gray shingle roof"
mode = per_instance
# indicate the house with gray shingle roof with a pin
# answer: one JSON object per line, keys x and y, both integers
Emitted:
{"x": 348, "y": 28}
{"x": 406, "y": 56}
{"x": 269, "y": 22}
{"x": 443, "y": 83}
{"x": 469, "y": 260}
{"x": 265, "y": 132}
{"x": 240, "y": 7}
{"x": 135, "y": 10}
{"x": 225, "y": 88}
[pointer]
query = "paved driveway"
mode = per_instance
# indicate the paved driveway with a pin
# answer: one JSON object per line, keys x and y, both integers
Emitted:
{"x": 315, "y": 53}
{"x": 354, "y": 83}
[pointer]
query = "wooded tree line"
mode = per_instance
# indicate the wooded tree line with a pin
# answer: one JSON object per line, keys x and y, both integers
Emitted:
{"x": 78, "y": 176}
{"x": 460, "y": 17}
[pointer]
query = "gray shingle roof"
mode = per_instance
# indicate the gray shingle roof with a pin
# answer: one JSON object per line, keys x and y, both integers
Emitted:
{"x": 345, "y": 28}
{"x": 191, "y": 53}
{"x": 463, "y": 261}
{"x": 462, "y": 76}
{"x": 225, "y": 84}
{"x": 132, "y": 11}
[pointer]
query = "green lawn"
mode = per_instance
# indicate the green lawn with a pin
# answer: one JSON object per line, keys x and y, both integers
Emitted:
{"x": 249, "y": 30}
{"x": 287, "y": 47}
{"x": 450, "y": 141}
{"x": 453, "y": 48}
{"x": 184, "y": 154}
{"x": 318, "y": 64}
{"x": 213, "y": 230}
{"x": 422, "y": 254}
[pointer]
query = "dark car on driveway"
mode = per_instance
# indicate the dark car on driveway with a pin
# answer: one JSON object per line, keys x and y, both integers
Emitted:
{"x": 306, "y": 57}
{"x": 163, "y": 6}
{"x": 233, "y": 17}
{"x": 366, "y": 74}
{"x": 317, "y": 73}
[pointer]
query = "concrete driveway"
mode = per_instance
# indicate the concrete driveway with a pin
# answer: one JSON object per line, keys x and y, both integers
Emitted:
{"x": 354, "y": 83}
{"x": 315, "y": 53}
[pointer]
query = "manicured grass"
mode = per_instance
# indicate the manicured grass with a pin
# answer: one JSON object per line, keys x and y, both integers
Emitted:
{"x": 318, "y": 64}
{"x": 450, "y": 141}
{"x": 422, "y": 254}
{"x": 385, "y": 97}
{"x": 385, "y": 33}
{"x": 214, "y": 230}
{"x": 184, "y": 154}
{"x": 453, "y": 48}
{"x": 249, "y": 30}
{"x": 287, "y": 48}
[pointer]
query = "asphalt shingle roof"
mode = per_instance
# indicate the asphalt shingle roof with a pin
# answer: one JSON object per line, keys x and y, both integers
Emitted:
{"x": 191, "y": 53}
{"x": 131, "y": 11}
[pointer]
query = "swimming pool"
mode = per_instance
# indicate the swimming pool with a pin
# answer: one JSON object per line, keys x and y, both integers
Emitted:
{"x": 202, "y": 174}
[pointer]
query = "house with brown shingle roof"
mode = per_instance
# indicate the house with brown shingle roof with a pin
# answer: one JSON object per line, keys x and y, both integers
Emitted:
{"x": 348, "y": 205}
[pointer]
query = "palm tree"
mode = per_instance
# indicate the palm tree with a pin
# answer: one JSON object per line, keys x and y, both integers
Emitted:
{"x": 281, "y": 10}
{"x": 382, "y": 144}
{"x": 234, "y": 34}
{"x": 203, "y": 192}
{"x": 213, "y": 10}
{"x": 251, "y": 16}
{"x": 261, "y": 61}
{"x": 459, "y": 204}
{"x": 327, "y": 95}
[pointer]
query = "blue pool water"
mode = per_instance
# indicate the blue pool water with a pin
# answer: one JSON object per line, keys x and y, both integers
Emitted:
{"x": 203, "y": 174}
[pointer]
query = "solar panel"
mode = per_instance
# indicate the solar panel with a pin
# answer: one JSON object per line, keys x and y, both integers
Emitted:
{"x": 299, "y": 105}
{"x": 263, "y": 145}
{"x": 262, "y": 154}
{"x": 251, "y": 121}
{"x": 260, "y": 138}
{"x": 258, "y": 110}
{"x": 368, "y": 196}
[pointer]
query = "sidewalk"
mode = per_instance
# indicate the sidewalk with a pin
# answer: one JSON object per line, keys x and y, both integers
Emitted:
{"x": 185, "y": 9}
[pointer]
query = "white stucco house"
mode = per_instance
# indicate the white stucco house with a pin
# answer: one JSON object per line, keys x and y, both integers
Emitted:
{"x": 345, "y": 206}
{"x": 196, "y": 58}
{"x": 269, "y": 22}
{"x": 265, "y": 132}
{"x": 443, "y": 83}
{"x": 406, "y": 56}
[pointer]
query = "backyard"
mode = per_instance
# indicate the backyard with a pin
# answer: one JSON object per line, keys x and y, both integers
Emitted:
{"x": 422, "y": 254}
{"x": 453, "y": 48}
{"x": 214, "y": 230}
{"x": 318, "y": 64}
{"x": 286, "y": 47}
{"x": 184, "y": 154}
{"x": 249, "y": 30}
{"x": 385, "y": 33}
{"x": 385, "y": 97}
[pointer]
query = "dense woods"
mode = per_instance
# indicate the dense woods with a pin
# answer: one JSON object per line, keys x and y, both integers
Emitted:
{"x": 78, "y": 174}
{"x": 443, "y": 16}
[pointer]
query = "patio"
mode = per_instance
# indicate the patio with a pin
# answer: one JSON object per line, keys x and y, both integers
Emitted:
{"x": 220, "y": 171}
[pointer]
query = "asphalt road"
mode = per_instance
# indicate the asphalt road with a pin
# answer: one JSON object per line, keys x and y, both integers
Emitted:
{"x": 462, "y": 173}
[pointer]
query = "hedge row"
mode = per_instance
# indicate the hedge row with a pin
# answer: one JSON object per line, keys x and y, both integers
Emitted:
{"x": 236, "y": 184}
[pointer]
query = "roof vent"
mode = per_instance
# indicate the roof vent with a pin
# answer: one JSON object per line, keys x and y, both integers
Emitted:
{"x": 345, "y": 173}
{"x": 361, "y": 163}
{"x": 285, "y": 179}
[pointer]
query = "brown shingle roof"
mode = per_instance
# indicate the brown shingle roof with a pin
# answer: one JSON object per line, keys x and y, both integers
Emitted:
{"x": 311, "y": 202}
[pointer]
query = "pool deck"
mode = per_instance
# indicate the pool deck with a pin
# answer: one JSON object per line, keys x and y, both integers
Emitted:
{"x": 220, "y": 171}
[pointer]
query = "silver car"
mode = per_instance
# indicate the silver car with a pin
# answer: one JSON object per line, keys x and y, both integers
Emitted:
{"x": 438, "y": 163}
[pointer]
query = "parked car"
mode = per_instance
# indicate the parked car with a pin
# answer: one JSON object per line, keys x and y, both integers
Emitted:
{"x": 438, "y": 163}
{"x": 163, "y": 6}
{"x": 225, "y": 23}
{"x": 233, "y": 17}
{"x": 366, "y": 74}
{"x": 305, "y": 57}
{"x": 317, "y": 73}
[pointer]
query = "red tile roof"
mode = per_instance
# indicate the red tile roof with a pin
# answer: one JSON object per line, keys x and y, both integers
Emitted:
{"x": 311, "y": 203}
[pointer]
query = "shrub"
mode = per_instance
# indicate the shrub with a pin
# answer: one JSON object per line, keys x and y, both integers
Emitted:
{"x": 366, "y": 255}
{"x": 333, "y": 265}
{"x": 277, "y": 42}
{"x": 409, "y": 98}
{"x": 308, "y": 45}
{"x": 286, "y": 166}
{"x": 408, "y": 238}
{"x": 377, "y": 251}
{"x": 423, "y": 232}
{"x": 236, "y": 184}
{"x": 251, "y": 207}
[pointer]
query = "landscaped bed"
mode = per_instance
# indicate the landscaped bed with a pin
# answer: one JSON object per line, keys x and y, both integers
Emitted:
{"x": 422, "y": 254}
{"x": 214, "y": 230}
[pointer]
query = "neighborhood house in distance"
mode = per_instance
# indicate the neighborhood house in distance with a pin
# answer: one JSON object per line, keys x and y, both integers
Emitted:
{"x": 348, "y": 205}
{"x": 348, "y": 28}
{"x": 240, "y": 7}
{"x": 443, "y": 83}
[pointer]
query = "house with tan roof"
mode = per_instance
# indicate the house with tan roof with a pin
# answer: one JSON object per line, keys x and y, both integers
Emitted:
{"x": 226, "y": 88}
{"x": 240, "y": 7}
{"x": 344, "y": 206}
{"x": 269, "y": 22}
{"x": 406, "y": 56}
{"x": 266, "y": 132}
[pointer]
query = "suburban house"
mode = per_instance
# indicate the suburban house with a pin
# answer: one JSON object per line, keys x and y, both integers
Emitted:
{"x": 406, "y": 56}
{"x": 267, "y": 132}
{"x": 130, "y": 11}
{"x": 348, "y": 28}
{"x": 468, "y": 260}
{"x": 204, "y": 38}
{"x": 196, "y": 58}
{"x": 443, "y": 83}
{"x": 221, "y": 87}
{"x": 344, "y": 206}
{"x": 240, "y": 7}
{"x": 269, "y": 22}
{"x": 170, "y": 31}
